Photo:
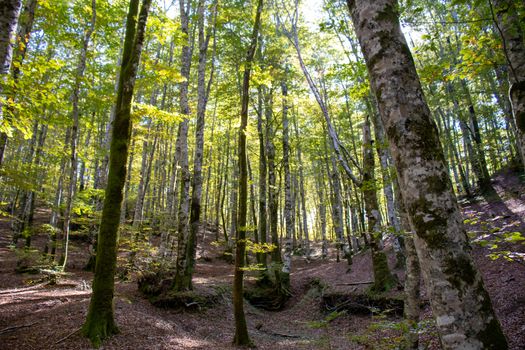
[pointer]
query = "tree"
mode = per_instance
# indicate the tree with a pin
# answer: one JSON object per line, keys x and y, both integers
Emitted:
{"x": 509, "y": 26}
{"x": 100, "y": 321}
{"x": 460, "y": 303}
{"x": 9, "y": 12}
{"x": 74, "y": 129}
{"x": 241, "y": 331}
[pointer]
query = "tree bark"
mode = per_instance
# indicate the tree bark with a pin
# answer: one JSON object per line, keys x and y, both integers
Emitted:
{"x": 288, "y": 200}
{"x": 383, "y": 278}
{"x": 460, "y": 303}
{"x": 181, "y": 283}
{"x": 9, "y": 13}
{"x": 74, "y": 130}
{"x": 100, "y": 321}
{"x": 241, "y": 337}
{"x": 263, "y": 226}
{"x": 196, "y": 184}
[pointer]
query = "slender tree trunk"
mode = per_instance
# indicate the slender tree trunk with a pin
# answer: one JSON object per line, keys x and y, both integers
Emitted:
{"x": 288, "y": 200}
{"x": 180, "y": 282}
{"x": 196, "y": 184}
{"x": 383, "y": 279}
{"x": 509, "y": 26}
{"x": 322, "y": 215}
{"x": 262, "y": 178}
{"x": 100, "y": 321}
{"x": 460, "y": 303}
{"x": 74, "y": 130}
{"x": 302, "y": 193}
{"x": 273, "y": 205}
{"x": 241, "y": 337}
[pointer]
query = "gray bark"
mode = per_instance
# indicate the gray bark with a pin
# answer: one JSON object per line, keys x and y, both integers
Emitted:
{"x": 180, "y": 282}
{"x": 288, "y": 200}
{"x": 460, "y": 304}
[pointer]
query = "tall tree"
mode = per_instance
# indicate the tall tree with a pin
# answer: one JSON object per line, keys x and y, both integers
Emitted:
{"x": 9, "y": 12}
{"x": 510, "y": 27}
{"x": 181, "y": 282}
{"x": 460, "y": 303}
{"x": 75, "y": 97}
{"x": 241, "y": 330}
{"x": 100, "y": 320}
{"x": 203, "y": 91}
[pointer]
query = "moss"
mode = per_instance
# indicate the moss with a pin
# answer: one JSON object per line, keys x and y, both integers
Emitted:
{"x": 384, "y": 279}
{"x": 430, "y": 231}
{"x": 460, "y": 271}
{"x": 492, "y": 335}
{"x": 99, "y": 326}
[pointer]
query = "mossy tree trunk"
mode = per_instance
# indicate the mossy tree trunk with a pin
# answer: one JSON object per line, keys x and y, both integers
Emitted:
{"x": 100, "y": 322}
{"x": 241, "y": 337}
{"x": 182, "y": 282}
{"x": 464, "y": 315}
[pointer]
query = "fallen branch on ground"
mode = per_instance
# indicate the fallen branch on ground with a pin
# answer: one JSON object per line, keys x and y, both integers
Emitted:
{"x": 354, "y": 283}
{"x": 5, "y": 330}
{"x": 280, "y": 334}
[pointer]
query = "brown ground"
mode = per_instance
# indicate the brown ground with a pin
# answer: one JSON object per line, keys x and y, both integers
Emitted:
{"x": 34, "y": 315}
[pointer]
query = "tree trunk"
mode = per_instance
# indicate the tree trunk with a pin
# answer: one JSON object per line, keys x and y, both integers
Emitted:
{"x": 196, "y": 184}
{"x": 288, "y": 200}
{"x": 100, "y": 321}
{"x": 383, "y": 279}
{"x": 74, "y": 131}
{"x": 9, "y": 12}
{"x": 262, "y": 178}
{"x": 460, "y": 303}
{"x": 181, "y": 283}
{"x": 241, "y": 337}
{"x": 273, "y": 205}
{"x": 509, "y": 26}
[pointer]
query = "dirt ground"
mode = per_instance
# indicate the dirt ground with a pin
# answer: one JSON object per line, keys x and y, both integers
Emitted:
{"x": 35, "y": 315}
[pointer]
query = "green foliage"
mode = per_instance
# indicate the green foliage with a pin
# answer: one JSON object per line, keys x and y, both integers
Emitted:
{"x": 497, "y": 242}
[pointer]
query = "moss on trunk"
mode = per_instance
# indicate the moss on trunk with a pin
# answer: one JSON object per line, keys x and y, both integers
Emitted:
{"x": 100, "y": 322}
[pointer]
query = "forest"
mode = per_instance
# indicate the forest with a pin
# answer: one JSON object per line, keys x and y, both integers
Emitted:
{"x": 272, "y": 174}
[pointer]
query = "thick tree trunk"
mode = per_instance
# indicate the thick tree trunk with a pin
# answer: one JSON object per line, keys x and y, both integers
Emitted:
{"x": 460, "y": 303}
{"x": 100, "y": 321}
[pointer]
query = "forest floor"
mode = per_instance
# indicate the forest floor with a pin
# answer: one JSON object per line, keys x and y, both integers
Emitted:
{"x": 36, "y": 315}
